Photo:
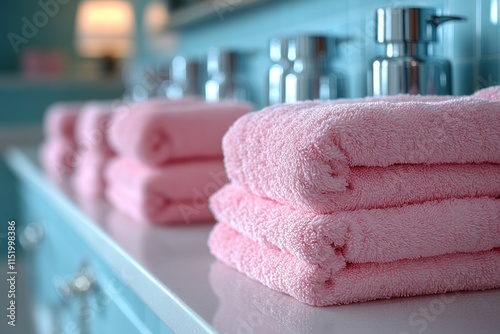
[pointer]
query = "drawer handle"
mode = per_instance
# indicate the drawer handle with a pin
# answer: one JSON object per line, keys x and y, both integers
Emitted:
{"x": 79, "y": 289}
{"x": 81, "y": 284}
{"x": 31, "y": 236}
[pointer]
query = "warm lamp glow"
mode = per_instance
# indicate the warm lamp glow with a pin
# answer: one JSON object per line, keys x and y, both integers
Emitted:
{"x": 156, "y": 17}
{"x": 104, "y": 28}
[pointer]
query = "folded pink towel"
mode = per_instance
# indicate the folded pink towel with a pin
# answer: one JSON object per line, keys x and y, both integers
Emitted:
{"x": 174, "y": 193}
{"x": 88, "y": 178}
{"x": 376, "y": 235}
{"x": 303, "y": 153}
{"x": 396, "y": 185}
{"x": 59, "y": 120}
{"x": 92, "y": 126}
{"x": 318, "y": 286}
{"x": 155, "y": 135}
{"x": 57, "y": 158}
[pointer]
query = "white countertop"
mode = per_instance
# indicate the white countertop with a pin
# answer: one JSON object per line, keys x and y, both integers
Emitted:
{"x": 174, "y": 263}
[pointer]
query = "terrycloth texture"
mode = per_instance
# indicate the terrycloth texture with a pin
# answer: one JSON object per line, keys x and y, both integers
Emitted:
{"x": 490, "y": 93}
{"x": 88, "y": 177}
{"x": 315, "y": 285}
{"x": 396, "y": 185}
{"x": 377, "y": 235}
{"x": 179, "y": 130}
{"x": 92, "y": 126}
{"x": 305, "y": 154}
{"x": 59, "y": 120}
{"x": 175, "y": 193}
{"x": 57, "y": 158}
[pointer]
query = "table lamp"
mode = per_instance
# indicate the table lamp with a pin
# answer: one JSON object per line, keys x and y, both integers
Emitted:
{"x": 105, "y": 29}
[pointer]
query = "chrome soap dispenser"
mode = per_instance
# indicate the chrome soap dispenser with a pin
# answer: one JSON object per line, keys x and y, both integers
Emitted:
{"x": 225, "y": 75}
{"x": 310, "y": 75}
{"x": 278, "y": 53}
{"x": 184, "y": 78}
{"x": 408, "y": 66}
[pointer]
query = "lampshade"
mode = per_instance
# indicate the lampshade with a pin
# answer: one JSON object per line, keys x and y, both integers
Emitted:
{"x": 104, "y": 28}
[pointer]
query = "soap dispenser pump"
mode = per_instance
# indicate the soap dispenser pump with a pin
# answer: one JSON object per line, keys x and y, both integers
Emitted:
{"x": 408, "y": 66}
{"x": 310, "y": 75}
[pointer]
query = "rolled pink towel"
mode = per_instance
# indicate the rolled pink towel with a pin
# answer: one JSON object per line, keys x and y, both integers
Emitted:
{"x": 174, "y": 193}
{"x": 361, "y": 236}
{"x": 88, "y": 177}
{"x": 92, "y": 126}
{"x": 59, "y": 120}
{"x": 319, "y": 286}
{"x": 156, "y": 134}
{"x": 93, "y": 149}
{"x": 304, "y": 154}
{"x": 58, "y": 151}
{"x": 490, "y": 93}
{"x": 396, "y": 185}
{"x": 58, "y": 158}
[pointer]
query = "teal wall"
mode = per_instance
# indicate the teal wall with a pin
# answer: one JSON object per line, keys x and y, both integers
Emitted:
{"x": 24, "y": 100}
{"x": 57, "y": 33}
{"x": 472, "y": 46}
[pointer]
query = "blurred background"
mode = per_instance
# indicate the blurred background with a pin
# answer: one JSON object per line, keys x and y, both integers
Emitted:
{"x": 53, "y": 50}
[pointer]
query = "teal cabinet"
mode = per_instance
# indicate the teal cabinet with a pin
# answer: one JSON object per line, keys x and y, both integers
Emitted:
{"x": 73, "y": 290}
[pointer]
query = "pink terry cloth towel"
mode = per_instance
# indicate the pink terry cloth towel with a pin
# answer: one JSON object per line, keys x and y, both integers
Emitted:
{"x": 58, "y": 158}
{"x": 174, "y": 193}
{"x": 314, "y": 285}
{"x": 88, "y": 178}
{"x": 92, "y": 127}
{"x": 490, "y": 93}
{"x": 305, "y": 154}
{"x": 59, "y": 120}
{"x": 178, "y": 131}
{"x": 396, "y": 185}
{"x": 376, "y": 235}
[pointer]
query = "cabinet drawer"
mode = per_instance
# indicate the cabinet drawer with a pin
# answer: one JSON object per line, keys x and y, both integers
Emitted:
{"x": 73, "y": 289}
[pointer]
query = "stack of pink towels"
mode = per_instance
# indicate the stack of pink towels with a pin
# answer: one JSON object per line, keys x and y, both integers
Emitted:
{"x": 353, "y": 200}
{"x": 169, "y": 158}
{"x": 58, "y": 151}
{"x": 94, "y": 151}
